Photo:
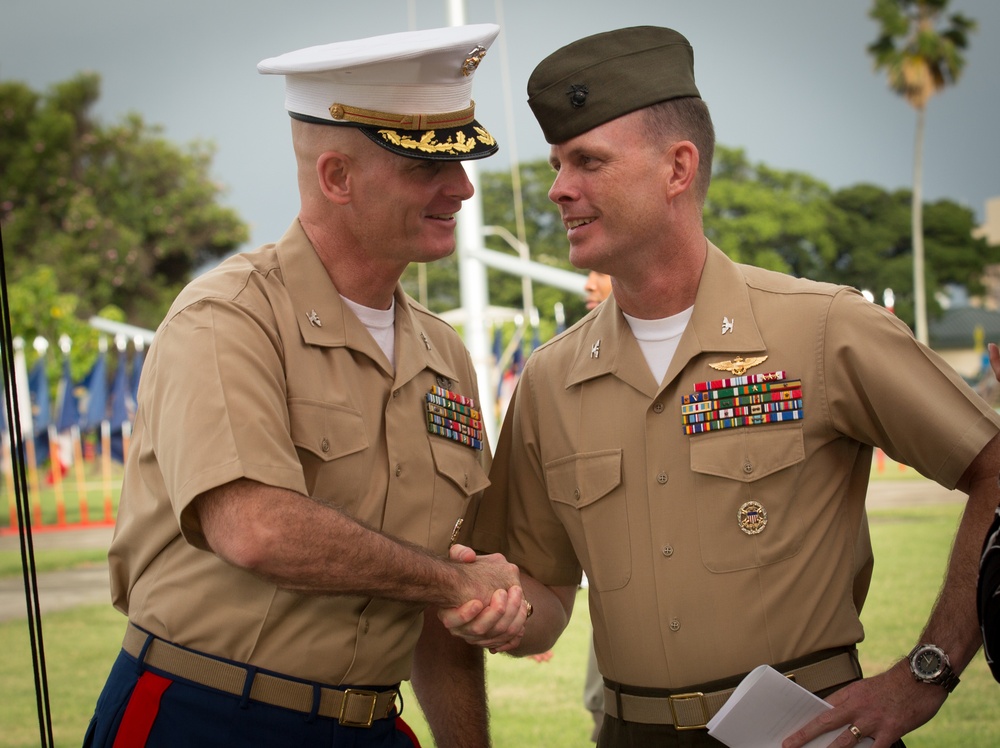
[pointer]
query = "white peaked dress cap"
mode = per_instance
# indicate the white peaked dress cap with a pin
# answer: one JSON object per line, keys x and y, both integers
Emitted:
{"x": 410, "y": 92}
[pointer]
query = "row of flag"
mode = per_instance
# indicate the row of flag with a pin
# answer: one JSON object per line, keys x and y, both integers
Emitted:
{"x": 97, "y": 398}
{"x": 80, "y": 405}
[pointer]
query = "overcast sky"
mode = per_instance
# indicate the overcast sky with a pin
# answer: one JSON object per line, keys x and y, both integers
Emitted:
{"x": 789, "y": 81}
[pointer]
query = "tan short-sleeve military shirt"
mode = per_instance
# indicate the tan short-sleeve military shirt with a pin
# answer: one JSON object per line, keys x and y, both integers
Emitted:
{"x": 260, "y": 371}
{"x": 594, "y": 470}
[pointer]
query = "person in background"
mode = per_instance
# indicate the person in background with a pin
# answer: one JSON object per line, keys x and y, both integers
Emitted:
{"x": 700, "y": 444}
{"x": 597, "y": 289}
{"x": 307, "y": 443}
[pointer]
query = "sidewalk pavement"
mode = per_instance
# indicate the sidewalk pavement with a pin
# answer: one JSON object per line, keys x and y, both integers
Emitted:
{"x": 88, "y": 586}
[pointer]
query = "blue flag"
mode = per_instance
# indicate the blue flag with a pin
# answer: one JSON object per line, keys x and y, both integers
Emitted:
{"x": 497, "y": 355}
{"x": 96, "y": 404}
{"x": 119, "y": 408}
{"x": 68, "y": 409}
{"x": 41, "y": 412}
{"x": 136, "y": 371}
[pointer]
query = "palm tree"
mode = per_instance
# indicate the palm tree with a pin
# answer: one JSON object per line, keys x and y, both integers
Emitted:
{"x": 921, "y": 51}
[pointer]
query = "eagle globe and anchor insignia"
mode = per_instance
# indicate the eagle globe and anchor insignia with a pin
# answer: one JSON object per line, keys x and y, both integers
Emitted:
{"x": 752, "y": 518}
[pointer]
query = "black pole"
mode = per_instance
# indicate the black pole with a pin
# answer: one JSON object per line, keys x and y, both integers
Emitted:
{"x": 24, "y": 517}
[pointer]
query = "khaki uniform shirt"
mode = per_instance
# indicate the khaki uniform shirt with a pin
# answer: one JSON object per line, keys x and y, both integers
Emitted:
{"x": 260, "y": 371}
{"x": 594, "y": 470}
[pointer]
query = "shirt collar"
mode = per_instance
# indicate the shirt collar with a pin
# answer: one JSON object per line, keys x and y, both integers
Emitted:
{"x": 325, "y": 321}
{"x": 722, "y": 322}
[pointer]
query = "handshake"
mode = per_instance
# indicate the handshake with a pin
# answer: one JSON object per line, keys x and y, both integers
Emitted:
{"x": 495, "y": 611}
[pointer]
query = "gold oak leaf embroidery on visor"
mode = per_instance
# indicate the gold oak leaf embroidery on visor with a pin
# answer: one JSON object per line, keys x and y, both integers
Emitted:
{"x": 429, "y": 143}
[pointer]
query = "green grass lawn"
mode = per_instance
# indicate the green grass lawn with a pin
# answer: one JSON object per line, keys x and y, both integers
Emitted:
{"x": 539, "y": 704}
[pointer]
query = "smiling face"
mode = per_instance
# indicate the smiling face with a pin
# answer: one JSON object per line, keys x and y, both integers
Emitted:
{"x": 611, "y": 193}
{"x": 403, "y": 209}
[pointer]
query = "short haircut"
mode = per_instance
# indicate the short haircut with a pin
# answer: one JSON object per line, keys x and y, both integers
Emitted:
{"x": 686, "y": 118}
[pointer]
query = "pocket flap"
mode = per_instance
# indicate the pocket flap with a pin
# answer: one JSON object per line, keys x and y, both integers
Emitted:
{"x": 328, "y": 431}
{"x": 460, "y": 465}
{"x": 579, "y": 480}
{"x": 747, "y": 454}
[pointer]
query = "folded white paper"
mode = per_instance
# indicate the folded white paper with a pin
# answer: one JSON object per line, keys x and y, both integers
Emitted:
{"x": 765, "y": 709}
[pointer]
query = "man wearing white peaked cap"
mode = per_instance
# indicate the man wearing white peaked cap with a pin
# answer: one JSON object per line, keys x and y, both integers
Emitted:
{"x": 307, "y": 444}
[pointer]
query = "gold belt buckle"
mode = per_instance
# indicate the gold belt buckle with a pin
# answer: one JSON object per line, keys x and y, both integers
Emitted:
{"x": 696, "y": 695}
{"x": 348, "y": 694}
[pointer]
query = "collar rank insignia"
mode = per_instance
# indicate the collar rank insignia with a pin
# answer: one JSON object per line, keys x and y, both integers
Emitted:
{"x": 313, "y": 318}
{"x": 454, "y": 417}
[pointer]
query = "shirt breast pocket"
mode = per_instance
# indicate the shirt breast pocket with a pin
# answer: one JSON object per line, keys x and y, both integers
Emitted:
{"x": 332, "y": 445}
{"x": 588, "y": 495}
{"x": 458, "y": 477}
{"x": 745, "y": 489}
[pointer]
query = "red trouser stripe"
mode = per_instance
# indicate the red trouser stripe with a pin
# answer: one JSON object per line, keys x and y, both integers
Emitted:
{"x": 141, "y": 711}
{"x": 405, "y": 729}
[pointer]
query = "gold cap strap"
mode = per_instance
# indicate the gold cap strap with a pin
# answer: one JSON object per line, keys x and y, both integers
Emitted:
{"x": 344, "y": 113}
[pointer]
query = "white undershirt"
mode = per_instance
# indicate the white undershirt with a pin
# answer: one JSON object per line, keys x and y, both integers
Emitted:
{"x": 381, "y": 325}
{"x": 658, "y": 339}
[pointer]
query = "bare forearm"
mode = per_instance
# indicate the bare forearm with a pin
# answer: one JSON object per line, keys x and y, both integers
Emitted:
{"x": 449, "y": 680}
{"x": 953, "y": 625}
{"x": 551, "y": 611}
{"x": 304, "y": 545}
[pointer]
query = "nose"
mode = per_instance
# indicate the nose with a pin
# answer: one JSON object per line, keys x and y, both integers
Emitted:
{"x": 560, "y": 191}
{"x": 459, "y": 184}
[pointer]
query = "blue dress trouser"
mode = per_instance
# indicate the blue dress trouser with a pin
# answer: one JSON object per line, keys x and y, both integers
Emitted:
{"x": 189, "y": 714}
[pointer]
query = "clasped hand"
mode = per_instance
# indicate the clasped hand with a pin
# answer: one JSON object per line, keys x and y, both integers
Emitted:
{"x": 494, "y": 620}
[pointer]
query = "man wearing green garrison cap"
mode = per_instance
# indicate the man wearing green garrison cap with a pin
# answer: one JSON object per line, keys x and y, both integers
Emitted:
{"x": 700, "y": 444}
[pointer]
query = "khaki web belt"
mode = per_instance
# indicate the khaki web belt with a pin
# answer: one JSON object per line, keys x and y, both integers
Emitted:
{"x": 692, "y": 711}
{"x": 352, "y": 707}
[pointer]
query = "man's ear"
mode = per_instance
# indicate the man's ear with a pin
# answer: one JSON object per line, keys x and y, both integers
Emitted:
{"x": 682, "y": 160}
{"x": 333, "y": 173}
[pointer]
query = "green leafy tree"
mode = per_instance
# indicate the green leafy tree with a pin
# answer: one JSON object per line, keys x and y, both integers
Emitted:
{"x": 43, "y": 310}
{"x": 920, "y": 48}
{"x": 121, "y": 215}
{"x": 768, "y": 218}
{"x": 872, "y": 232}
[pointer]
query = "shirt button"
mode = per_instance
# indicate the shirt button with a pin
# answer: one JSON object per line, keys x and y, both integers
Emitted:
{"x": 399, "y": 470}
{"x": 668, "y": 551}
{"x": 658, "y": 408}
{"x": 325, "y": 445}
{"x": 662, "y": 478}
{"x": 366, "y": 626}
{"x": 675, "y": 625}
{"x": 395, "y": 393}
{"x": 576, "y": 494}
{"x": 748, "y": 467}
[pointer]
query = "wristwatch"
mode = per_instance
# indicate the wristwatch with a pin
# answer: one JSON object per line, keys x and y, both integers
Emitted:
{"x": 930, "y": 664}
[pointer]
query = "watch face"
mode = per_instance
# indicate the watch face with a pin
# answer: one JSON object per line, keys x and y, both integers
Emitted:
{"x": 928, "y": 662}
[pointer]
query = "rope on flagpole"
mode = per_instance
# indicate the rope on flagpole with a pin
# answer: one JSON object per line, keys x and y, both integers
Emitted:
{"x": 24, "y": 517}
